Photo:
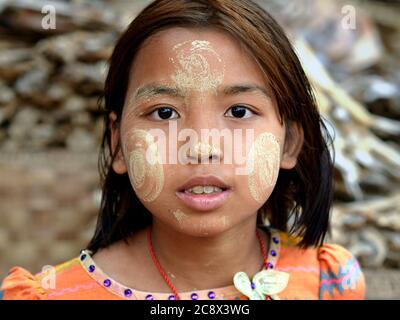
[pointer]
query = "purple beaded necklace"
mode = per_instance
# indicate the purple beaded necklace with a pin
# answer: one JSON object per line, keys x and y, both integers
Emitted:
{"x": 128, "y": 293}
{"x": 194, "y": 295}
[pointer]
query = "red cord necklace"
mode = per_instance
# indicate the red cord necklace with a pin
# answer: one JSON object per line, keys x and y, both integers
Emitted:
{"x": 168, "y": 281}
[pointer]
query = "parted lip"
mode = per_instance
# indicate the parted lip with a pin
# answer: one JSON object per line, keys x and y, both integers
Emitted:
{"x": 209, "y": 180}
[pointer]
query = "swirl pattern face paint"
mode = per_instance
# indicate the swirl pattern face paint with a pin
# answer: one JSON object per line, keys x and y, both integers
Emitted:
{"x": 193, "y": 71}
{"x": 145, "y": 166}
{"x": 263, "y": 163}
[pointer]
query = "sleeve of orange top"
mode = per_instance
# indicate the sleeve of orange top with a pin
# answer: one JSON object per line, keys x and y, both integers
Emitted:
{"x": 340, "y": 274}
{"x": 20, "y": 284}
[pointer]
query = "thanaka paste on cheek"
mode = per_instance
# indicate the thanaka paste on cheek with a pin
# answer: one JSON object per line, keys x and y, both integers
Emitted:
{"x": 264, "y": 155}
{"x": 147, "y": 177}
{"x": 193, "y": 69}
{"x": 179, "y": 215}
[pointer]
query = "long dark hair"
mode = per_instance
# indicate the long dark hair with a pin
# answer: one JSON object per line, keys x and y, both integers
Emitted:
{"x": 303, "y": 193}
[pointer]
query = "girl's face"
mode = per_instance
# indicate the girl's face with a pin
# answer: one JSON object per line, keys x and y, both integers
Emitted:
{"x": 199, "y": 80}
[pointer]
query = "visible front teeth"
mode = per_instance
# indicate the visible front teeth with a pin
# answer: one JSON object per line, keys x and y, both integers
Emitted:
{"x": 204, "y": 189}
{"x": 208, "y": 189}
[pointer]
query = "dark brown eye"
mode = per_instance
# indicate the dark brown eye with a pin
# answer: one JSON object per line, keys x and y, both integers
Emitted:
{"x": 239, "y": 112}
{"x": 164, "y": 113}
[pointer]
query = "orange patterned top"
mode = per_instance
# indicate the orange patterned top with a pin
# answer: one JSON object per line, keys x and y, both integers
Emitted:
{"x": 327, "y": 272}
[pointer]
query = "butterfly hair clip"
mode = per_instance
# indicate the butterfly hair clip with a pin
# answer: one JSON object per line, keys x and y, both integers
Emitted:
{"x": 265, "y": 283}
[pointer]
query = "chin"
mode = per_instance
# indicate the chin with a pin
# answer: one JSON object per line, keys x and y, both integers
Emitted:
{"x": 204, "y": 225}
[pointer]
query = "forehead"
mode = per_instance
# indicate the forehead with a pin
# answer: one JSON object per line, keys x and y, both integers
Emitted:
{"x": 159, "y": 56}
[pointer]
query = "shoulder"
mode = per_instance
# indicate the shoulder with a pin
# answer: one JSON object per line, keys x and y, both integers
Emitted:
{"x": 301, "y": 265}
{"x": 340, "y": 274}
{"x": 68, "y": 280}
{"x": 20, "y": 284}
{"x": 326, "y": 272}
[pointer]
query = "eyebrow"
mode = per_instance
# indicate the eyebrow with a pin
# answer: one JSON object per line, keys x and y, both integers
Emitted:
{"x": 154, "y": 89}
{"x": 243, "y": 88}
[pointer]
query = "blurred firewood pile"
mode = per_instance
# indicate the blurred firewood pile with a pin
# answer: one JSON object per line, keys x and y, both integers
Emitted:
{"x": 51, "y": 79}
{"x": 355, "y": 71}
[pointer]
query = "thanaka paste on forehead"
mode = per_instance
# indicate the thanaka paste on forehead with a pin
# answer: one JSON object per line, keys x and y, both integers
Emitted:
{"x": 265, "y": 157}
{"x": 193, "y": 70}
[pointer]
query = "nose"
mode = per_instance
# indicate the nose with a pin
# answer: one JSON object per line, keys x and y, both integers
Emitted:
{"x": 204, "y": 152}
{"x": 204, "y": 121}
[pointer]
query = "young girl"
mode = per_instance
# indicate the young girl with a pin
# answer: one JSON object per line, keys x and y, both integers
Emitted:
{"x": 184, "y": 219}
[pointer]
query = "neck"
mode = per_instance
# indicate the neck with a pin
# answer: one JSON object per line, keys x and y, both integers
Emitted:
{"x": 197, "y": 263}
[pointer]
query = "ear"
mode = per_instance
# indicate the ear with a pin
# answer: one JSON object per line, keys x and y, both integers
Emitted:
{"x": 293, "y": 143}
{"x": 118, "y": 164}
